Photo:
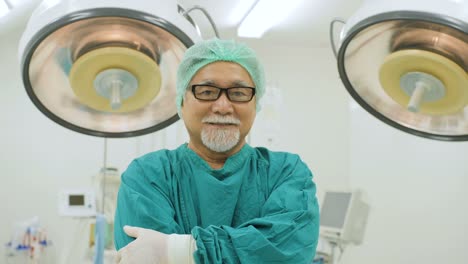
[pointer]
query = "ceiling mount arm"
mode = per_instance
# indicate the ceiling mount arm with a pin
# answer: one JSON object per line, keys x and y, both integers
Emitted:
{"x": 332, "y": 34}
{"x": 207, "y": 15}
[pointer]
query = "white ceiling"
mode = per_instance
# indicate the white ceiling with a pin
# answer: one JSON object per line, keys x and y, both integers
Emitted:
{"x": 308, "y": 23}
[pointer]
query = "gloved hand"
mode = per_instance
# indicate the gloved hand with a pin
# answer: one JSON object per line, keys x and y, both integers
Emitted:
{"x": 153, "y": 247}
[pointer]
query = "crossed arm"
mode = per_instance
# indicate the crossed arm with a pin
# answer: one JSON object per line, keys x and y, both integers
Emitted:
{"x": 285, "y": 232}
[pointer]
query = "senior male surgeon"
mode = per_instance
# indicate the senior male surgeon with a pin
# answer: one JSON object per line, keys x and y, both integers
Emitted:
{"x": 216, "y": 199}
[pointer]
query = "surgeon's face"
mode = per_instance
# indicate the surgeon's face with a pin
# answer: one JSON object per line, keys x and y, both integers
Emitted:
{"x": 220, "y": 125}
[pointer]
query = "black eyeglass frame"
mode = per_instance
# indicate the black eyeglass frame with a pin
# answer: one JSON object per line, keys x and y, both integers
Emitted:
{"x": 221, "y": 91}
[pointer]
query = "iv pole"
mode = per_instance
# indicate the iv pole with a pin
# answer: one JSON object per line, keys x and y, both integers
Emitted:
{"x": 100, "y": 217}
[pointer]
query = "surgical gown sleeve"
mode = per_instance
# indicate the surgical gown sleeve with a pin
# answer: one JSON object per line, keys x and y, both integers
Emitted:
{"x": 285, "y": 232}
{"x": 144, "y": 203}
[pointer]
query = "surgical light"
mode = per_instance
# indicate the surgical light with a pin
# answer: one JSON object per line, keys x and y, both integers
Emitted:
{"x": 106, "y": 68}
{"x": 406, "y": 63}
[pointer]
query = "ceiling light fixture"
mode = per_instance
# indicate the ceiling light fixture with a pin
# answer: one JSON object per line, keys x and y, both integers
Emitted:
{"x": 265, "y": 15}
{"x": 240, "y": 11}
{"x": 4, "y": 8}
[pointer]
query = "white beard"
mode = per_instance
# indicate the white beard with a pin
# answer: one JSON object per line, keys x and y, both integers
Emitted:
{"x": 220, "y": 140}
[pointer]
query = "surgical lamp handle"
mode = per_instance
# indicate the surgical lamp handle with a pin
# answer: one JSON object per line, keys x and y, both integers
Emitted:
{"x": 332, "y": 34}
{"x": 210, "y": 19}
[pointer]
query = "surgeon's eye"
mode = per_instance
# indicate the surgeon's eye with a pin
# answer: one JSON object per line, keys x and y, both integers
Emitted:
{"x": 205, "y": 92}
{"x": 238, "y": 94}
{"x": 241, "y": 94}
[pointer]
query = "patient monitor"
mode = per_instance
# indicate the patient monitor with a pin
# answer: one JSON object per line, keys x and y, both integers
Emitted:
{"x": 343, "y": 217}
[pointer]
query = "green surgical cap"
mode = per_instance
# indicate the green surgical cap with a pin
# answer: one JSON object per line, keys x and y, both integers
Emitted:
{"x": 213, "y": 50}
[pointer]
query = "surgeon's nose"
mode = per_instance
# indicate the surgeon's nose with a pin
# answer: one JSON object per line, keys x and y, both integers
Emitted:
{"x": 222, "y": 106}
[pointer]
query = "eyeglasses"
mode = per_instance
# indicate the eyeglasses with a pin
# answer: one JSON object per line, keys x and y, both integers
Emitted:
{"x": 207, "y": 92}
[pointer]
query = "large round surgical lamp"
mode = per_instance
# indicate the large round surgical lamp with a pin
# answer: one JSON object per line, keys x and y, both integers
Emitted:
{"x": 406, "y": 63}
{"x": 106, "y": 68}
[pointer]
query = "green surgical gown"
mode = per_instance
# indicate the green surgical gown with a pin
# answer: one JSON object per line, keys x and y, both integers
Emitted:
{"x": 259, "y": 208}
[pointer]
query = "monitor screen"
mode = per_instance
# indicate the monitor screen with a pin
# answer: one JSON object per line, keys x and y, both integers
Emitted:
{"x": 334, "y": 208}
{"x": 75, "y": 200}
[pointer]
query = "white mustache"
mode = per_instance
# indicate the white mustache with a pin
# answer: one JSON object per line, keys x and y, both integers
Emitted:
{"x": 221, "y": 120}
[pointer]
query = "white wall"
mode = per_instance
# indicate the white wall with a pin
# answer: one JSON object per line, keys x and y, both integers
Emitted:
{"x": 417, "y": 191}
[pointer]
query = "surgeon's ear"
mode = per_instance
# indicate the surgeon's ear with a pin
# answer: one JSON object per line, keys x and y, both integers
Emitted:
{"x": 181, "y": 108}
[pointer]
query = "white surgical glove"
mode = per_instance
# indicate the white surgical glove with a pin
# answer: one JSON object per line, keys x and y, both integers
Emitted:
{"x": 153, "y": 247}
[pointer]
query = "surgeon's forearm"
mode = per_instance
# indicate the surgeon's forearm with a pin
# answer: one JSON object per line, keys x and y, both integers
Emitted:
{"x": 180, "y": 249}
